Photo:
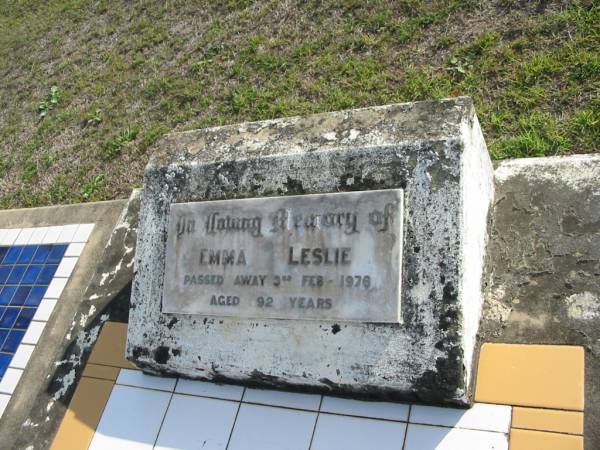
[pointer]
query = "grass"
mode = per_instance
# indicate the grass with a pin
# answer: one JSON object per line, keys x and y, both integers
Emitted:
{"x": 88, "y": 87}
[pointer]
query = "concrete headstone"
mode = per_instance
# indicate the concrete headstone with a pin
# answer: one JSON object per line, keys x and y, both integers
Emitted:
{"x": 340, "y": 252}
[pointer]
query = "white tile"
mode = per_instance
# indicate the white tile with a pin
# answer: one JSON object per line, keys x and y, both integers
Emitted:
{"x": 10, "y": 380}
{"x": 65, "y": 268}
{"x": 197, "y": 422}
{"x": 140, "y": 379}
{"x": 283, "y": 398}
{"x": 425, "y": 437}
{"x": 55, "y": 287}
{"x": 208, "y": 389}
{"x": 83, "y": 232}
{"x": 131, "y": 419}
{"x": 75, "y": 249}
{"x": 266, "y": 427}
{"x": 33, "y": 333}
{"x": 4, "y": 399}
{"x": 37, "y": 236}
{"x": 481, "y": 416}
{"x": 44, "y": 310}
{"x": 8, "y": 236}
{"x": 52, "y": 234}
{"x": 378, "y": 410}
{"x": 354, "y": 433}
{"x": 24, "y": 236}
{"x": 67, "y": 233}
{"x": 21, "y": 356}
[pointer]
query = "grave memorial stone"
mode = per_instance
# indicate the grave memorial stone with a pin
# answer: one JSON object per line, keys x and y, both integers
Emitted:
{"x": 339, "y": 252}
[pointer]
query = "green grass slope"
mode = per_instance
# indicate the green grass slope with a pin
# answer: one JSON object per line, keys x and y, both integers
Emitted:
{"x": 86, "y": 87}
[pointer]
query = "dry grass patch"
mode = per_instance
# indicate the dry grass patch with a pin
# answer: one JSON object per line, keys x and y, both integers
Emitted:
{"x": 89, "y": 87}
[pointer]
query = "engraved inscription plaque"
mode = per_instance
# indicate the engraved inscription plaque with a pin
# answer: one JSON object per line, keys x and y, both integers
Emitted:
{"x": 313, "y": 257}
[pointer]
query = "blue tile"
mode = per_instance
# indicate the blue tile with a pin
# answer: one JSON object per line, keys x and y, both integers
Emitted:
{"x": 4, "y": 362}
{"x": 56, "y": 253}
{"x": 24, "y": 318}
{"x": 6, "y": 294}
{"x": 46, "y": 274}
{"x": 35, "y": 295}
{"x": 12, "y": 254}
{"x": 16, "y": 274}
{"x": 12, "y": 341}
{"x": 25, "y": 272}
{"x": 27, "y": 254}
{"x": 42, "y": 253}
{"x": 3, "y": 334}
{"x": 31, "y": 274}
{"x": 20, "y": 295}
{"x": 9, "y": 317}
{"x": 4, "y": 271}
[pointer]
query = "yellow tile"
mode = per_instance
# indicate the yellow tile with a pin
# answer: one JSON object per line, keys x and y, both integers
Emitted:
{"x": 109, "y": 349}
{"x": 548, "y": 420}
{"x": 548, "y": 376}
{"x": 539, "y": 440}
{"x": 96, "y": 371}
{"x": 81, "y": 419}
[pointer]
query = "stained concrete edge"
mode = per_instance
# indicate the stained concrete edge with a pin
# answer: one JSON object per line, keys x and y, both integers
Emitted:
{"x": 39, "y": 401}
{"x": 543, "y": 274}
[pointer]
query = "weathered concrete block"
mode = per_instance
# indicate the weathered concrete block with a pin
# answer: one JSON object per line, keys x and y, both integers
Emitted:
{"x": 433, "y": 153}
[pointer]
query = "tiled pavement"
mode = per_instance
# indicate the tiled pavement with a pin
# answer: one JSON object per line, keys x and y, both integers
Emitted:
{"x": 35, "y": 266}
{"x": 528, "y": 397}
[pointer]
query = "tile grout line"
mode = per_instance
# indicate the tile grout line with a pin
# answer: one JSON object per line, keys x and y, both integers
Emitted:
{"x": 453, "y": 427}
{"x": 101, "y": 412}
{"x": 221, "y": 398}
{"x": 146, "y": 387}
{"x": 99, "y": 420}
{"x": 382, "y": 419}
{"x": 186, "y": 394}
{"x": 235, "y": 419}
{"x": 406, "y": 429}
{"x": 270, "y": 405}
{"x": 545, "y": 431}
{"x": 545, "y": 408}
{"x": 164, "y": 416}
{"x": 510, "y": 422}
{"x": 99, "y": 378}
{"x": 312, "y": 436}
{"x": 110, "y": 365}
